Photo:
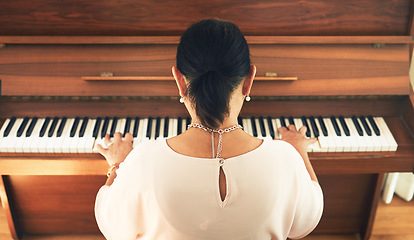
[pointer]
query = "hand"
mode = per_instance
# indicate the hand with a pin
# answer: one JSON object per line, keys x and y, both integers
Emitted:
{"x": 118, "y": 149}
{"x": 298, "y": 139}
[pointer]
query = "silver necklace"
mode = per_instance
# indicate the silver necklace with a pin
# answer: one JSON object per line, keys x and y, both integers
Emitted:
{"x": 220, "y": 142}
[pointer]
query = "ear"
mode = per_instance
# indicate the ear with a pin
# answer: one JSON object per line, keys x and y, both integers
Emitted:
{"x": 248, "y": 81}
{"x": 180, "y": 80}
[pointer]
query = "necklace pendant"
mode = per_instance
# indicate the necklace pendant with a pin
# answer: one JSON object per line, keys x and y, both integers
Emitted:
{"x": 221, "y": 162}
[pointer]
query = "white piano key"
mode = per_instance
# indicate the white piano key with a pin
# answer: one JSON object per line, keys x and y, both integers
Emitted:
{"x": 172, "y": 130}
{"x": 374, "y": 138}
{"x": 383, "y": 144}
{"x": 357, "y": 142}
{"x": 72, "y": 143}
{"x": 153, "y": 129}
{"x": 349, "y": 143}
{"x": 161, "y": 128}
{"x": 298, "y": 123}
{"x": 11, "y": 139}
{"x": 385, "y": 131}
{"x": 120, "y": 127}
{"x": 61, "y": 141}
{"x": 249, "y": 128}
{"x": 50, "y": 143}
{"x": 142, "y": 131}
{"x": 267, "y": 128}
{"x": 323, "y": 140}
{"x": 277, "y": 126}
{"x": 87, "y": 142}
{"x": 2, "y": 130}
{"x": 260, "y": 134}
{"x": 18, "y": 146}
{"x": 34, "y": 137}
{"x": 366, "y": 138}
{"x": 315, "y": 146}
{"x": 337, "y": 144}
{"x": 99, "y": 139}
{"x": 184, "y": 125}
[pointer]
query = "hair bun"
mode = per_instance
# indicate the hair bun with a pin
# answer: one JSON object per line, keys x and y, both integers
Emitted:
{"x": 214, "y": 57}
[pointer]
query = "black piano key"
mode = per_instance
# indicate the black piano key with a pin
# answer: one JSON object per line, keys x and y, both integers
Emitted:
{"x": 365, "y": 125}
{"x": 105, "y": 127}
{"x": 53, "y": 127}
{"x": 149, "y": 128}
{"x": 113, "y": 127}
{"x": 305, "y": 123}
{"x": 254, "y": 126}
{"x": 240, "y": 121}
{"x": 271, "y": 130}
{"x": 22, "y": 126}
{"x": 188, "y": 122}
{"x": 31, "y": 127}
{"x": 262, "y": 127}
{"x": 83, "y": 126}
{"x": 282, "y": 121}
{"x": 323, "y": 126}
{"x": 344, "y": 126}
{"x": 127, "y": 126}
{"x": 374, "y": 125}
{"x": 335, "y": 126}
{"x": 314, "y": 127}
{"x": 157, "y": 127}
{"x": 61, "y": 127}
{"x": 291, "y": 121}
{"x": 166, "y": 126}
{"x": 44, "y": 127}
{"x": 136, "y": 127}
{"x": 9, "y": 127}
{"x": 179, "y": 125}
{"x": 74, "y": 127}
{"x": 357, "y": 126}
{"x": 97, "y": 127}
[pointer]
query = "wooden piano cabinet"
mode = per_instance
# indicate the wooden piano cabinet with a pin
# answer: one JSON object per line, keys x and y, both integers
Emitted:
{"x": 54, "y": 193}
{"x": 320, "y": 69}
{"x": 53, "y": 205}
{"x": 350, "y": 203}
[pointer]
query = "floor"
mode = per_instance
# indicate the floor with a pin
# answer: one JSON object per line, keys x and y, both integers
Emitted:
{"x": 393, "y": 222}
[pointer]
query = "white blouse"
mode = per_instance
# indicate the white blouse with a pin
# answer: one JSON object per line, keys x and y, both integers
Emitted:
{"x": 160, "y": 194}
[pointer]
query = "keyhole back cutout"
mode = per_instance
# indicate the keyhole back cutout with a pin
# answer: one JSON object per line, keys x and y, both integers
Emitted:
{"x": 222, "y": 184}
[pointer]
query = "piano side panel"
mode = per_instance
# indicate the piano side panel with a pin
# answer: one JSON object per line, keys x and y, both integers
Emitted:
{"x": 346, "y": 202}
{"x": 56, "y": 70}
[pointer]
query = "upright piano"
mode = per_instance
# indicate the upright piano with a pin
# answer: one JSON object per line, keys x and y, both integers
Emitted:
{"x": 339, "y": 67}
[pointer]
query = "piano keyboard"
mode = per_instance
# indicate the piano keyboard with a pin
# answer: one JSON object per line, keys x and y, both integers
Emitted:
{"x": 81, "y": 135}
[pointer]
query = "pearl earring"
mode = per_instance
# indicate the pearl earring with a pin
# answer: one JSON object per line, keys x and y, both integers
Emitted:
{"x": 181, "y": 100}
{"x": 248, "y": 98}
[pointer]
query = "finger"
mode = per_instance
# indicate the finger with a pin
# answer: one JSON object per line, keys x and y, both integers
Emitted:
{"x": 101, "y": 150}
{"x": 117, "y": 137}
{"x": 312, "y": 140}
{"x": 107, "y": 139}
{"x": 292, "y": 127}
{"x": 303, "y": 130}
{"x": 282, "y": 130}
{"x": 128, "y": 137}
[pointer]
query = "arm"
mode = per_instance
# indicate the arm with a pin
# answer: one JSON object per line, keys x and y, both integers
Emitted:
{"x": 116, "y": 152}
{"x": 299, "y": 141}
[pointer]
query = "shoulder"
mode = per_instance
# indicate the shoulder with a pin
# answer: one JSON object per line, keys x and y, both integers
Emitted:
{"x": 142, "y": 156}
{"x": 279, "y": 148}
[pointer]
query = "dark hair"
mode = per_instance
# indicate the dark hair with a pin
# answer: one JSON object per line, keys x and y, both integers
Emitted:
{"x": 214, "y": 57}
